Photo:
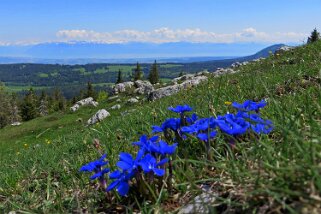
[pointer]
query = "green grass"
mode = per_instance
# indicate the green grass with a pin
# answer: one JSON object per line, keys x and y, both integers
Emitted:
{"x": 82, "y": 71}
{"x": 101, "y": 70}
{"x": 279, "y": 172}
{"x": 17, "y": 88}
{"x": 123, "y": 68}
{"x": 170, "y": 65}
{"x": 43, "y": 75}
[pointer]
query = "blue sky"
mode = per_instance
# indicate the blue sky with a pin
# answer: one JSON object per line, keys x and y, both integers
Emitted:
{"x": 115, "y": 21}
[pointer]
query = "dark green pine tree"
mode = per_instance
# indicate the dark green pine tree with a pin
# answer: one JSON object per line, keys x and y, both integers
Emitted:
{"x": 138, "y": 75}
{"x": 315, "y": 36}
{"x": 91, "y": 91}
{"x": 59, "y": 101}
{"x": 28, "y": 108}
{"x": 43, "y": 104}
{"x": 120, "y": 77}
{"x": 14, "y": 112}
{"x": 153, "y": 75}
{"x": 4, "y": 107}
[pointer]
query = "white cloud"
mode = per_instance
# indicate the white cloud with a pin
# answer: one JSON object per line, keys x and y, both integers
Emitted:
{"x": 162, "y": 35}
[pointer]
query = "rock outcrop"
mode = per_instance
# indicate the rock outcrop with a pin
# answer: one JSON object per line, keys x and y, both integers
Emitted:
{"x": 140, "y": 87}
{"x": 188, "y": 81}
{"x": 98, "y": 117}
{"x": 143, "y": 87}
{"x": 85, "y": 102}
{"x": 122, "y": 87}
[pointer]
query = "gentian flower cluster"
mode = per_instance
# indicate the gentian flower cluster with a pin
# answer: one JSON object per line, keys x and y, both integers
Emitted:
{"x": 153, "y": 158}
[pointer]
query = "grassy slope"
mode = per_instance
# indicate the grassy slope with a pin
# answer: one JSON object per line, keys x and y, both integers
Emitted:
{"x": 281, "y": 171}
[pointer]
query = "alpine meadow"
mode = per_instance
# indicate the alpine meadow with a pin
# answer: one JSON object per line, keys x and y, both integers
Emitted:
{"x": 125, "y": 119}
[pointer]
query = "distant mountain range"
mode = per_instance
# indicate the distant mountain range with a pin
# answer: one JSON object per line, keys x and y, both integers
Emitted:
{"x": 84, "y": 52}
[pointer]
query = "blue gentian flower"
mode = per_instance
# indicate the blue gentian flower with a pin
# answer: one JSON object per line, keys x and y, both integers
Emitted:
{"x": 145, "y": 144}
{"x": 189, "y": 129}
{"x": 262, "y": 128}
{"x": 180, "y": 109}
{"x": 192, "y": 119}
{"x": 121, "y": 181}
{"x": 171, "y": 123}
{"x": 164, "y": 149}
{"x": 206, "y": 136}
{"x": 127, "y": 163}
{"x": 149, "y": 164}
{"x": 94, "y": 165}
{"x": 232, "y": 125}
{"x": 249, "y": 105}
{"x": 100, "y": 174}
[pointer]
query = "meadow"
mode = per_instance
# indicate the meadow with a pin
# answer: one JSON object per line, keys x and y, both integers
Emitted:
{"x": 278, "y": 172}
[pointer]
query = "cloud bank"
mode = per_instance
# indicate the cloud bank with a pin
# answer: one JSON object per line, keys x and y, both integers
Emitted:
{"x": 163, "y": 35}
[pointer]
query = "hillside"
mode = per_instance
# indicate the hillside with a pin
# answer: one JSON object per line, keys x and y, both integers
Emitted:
{"x": 274, "y": 173}
{"x": 71, "y": 78}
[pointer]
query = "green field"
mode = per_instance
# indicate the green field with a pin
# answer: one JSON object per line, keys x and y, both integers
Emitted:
{"x": 275, "y": 173}
{"x": 170, "y": 65}
{"x": 15, "y": 88}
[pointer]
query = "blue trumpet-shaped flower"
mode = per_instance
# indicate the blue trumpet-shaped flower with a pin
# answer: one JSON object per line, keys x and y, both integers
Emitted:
{"x": 232, "y": 124}
{"x": 192, "y": 119}
{"x": 149, "y": 164}
{"x": 180, "y": 109}
{"x": 164, "y": 149}
{"x": 121, "y": 182}
{"x": 200, "y": 125}
{"x": 206, "y": 136}
{"x": 249, "y": 105}
{"x": 96, "y": 166}
{"x": 100, "y": 174}
{"x": 171, "y": 123}
{"x": 263, "y": 128}
{"x": 127, "y": 163}
{"x": 145, "y": 144}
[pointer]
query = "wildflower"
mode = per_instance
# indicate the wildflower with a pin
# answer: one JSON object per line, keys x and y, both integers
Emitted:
{"x": 206, "y": 136}
{"x": 180, "y": 109}
{"x": 121, "y": 182}
{"x": 149, "y": 164}
{"x": 265, "y": 127}
{"x": 127, "y": 163}
{"x": 192, "y": 119}
{"x": 145, "y": 144}
{"x": 94, "y": 164}
{"x": 171, "y": 123}
{"x": 18, "y": 153}
{"x": 25, "y": 145}
{"x": 228, "y": 103}
{"x": 164, "y": 149}
{"x": 249, "y": 105}
{"x": 232, "y": 124}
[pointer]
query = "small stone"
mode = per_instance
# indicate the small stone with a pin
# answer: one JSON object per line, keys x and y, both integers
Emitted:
{"x": 98, "y": 117}
{"x": 117, "y": 106}
{"x": 132, "y": 100}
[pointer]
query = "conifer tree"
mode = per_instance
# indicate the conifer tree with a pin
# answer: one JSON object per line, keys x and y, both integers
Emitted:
{"x": 29, "y": 106}
{"x": 138, "y": 72}
{"x": 43, "y": 104}
{"x": 4, "y": 106}
{"x": 14, "y": 112}
{"x": 59, "y": 101}
{"x": 153, "y": 75}
{"x": 120, "y": 77}
{"x": 90, "y": 91}
{"x": 315, "y": 36}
